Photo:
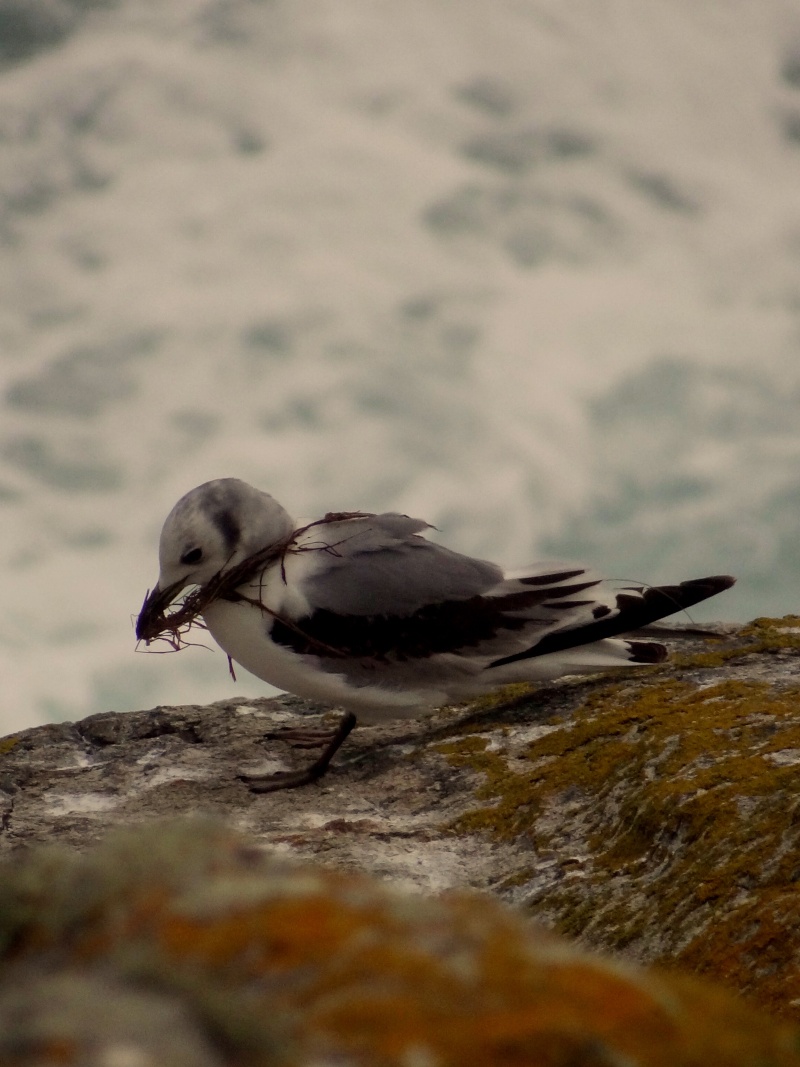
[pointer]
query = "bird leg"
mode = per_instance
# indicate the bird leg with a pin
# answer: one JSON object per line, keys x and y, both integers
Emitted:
{"x": 271, "y": 783}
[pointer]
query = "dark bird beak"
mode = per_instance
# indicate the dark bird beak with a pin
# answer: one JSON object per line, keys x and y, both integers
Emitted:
{"x": 151, "y": 620}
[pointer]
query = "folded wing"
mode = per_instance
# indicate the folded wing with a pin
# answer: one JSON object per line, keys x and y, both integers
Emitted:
{"x": 373, "y": 588}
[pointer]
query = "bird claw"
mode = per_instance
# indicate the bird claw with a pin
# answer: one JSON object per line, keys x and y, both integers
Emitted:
{"x": 272, "y": 783}
{"x": 298, "y": 737}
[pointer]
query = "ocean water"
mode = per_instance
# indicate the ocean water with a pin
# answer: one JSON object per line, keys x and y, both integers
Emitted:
{"x": 529, "y": 270}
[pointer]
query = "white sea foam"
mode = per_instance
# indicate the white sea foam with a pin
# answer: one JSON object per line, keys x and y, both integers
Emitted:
{"x": 543, "y": 266}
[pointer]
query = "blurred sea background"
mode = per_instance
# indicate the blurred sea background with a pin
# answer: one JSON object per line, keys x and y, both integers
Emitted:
{"x": 529, "y": 270}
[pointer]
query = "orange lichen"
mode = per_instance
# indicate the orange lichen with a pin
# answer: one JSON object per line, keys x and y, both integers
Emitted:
{"x": 359, "y": 974}
{"x": 373, "y": 982}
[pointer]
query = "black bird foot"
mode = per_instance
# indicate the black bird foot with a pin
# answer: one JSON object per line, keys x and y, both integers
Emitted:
{"x": 271, "y": 783}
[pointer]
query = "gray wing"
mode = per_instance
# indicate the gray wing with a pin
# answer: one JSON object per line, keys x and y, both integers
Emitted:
{"x": 375, "y": 588}
{"x": 379, "y": 565}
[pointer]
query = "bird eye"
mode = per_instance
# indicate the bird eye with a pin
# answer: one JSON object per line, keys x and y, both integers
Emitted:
{"x": 194, "y": 555}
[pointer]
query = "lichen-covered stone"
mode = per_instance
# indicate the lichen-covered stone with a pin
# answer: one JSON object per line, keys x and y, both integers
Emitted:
{"x": 682, "y": 801}
{"x": 651, "y": 813}
{"x": 182, "y": 945}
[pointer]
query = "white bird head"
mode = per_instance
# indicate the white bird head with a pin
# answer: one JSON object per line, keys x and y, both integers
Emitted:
{"x": 211, "y": 529}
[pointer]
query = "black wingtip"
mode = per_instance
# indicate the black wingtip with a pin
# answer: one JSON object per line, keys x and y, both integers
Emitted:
{"x": 637, "y": 606}
{"x": 647, "y": 652}
{"x": 715, "y": 583}
{"x": 690, "y": 592}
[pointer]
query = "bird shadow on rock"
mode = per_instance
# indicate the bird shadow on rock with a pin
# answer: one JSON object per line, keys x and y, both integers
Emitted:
{"x": 525, "y": 706}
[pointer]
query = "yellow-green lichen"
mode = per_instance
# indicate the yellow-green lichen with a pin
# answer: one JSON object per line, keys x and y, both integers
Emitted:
{"x": 513, "y": 802}
{"x": 690, "y": 792}
{"x": 499, "y": 697}
{"x": 759, "y": 636}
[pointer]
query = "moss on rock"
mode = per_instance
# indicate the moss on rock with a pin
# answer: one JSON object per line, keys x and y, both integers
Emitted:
{"x": 685, "y": 814}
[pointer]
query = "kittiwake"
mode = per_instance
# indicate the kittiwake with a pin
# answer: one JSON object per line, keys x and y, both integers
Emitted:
{"x": 364, "y": 612}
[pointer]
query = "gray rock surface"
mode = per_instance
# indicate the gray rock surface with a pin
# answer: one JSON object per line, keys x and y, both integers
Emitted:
{"x": 596, "y": 803}
{"x": 383, "y": 808}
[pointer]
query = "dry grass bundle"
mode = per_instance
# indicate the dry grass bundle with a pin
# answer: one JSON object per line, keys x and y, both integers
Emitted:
{"x": 178, "y": 618}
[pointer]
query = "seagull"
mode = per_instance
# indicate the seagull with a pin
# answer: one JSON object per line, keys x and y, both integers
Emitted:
{"x": 363, "y": 611}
